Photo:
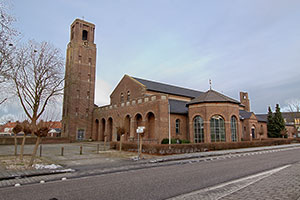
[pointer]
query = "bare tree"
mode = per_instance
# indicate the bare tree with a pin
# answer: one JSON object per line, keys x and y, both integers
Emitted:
{"x": 7, "y": 37}
{"x": 38, "y": 77}
{"x": 294, "y": 105}
{"x": 41, "y": 130}
{"x": 17, "y": 129}
{"x": 26, "y": 130}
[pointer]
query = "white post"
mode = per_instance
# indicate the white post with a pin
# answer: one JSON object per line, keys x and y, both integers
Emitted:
{"x": 138, "y": 146}
{"x": 169, "y": 123}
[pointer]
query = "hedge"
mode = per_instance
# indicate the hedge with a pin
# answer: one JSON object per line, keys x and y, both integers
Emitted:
{"x": 166, "y": 149}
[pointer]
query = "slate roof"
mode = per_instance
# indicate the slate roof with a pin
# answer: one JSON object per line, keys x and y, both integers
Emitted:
{"x": 168, "y": 89}
{"x": 263, "y": 117}
{"x": 178, "y": 107}
{"x": 289, "y": 116}
{"x": 212, "y": 96}
{"x": 244, "y": 114}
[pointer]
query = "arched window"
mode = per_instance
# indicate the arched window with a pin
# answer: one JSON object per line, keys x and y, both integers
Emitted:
{"x": 177, "y": 126}
{"x": 122, "y": 97}
{"x": 217, "y": 129}
{"x": 84, "y": 35}
{"x": 233, "y": 129}
{"x": 198, "y": 129}
{"x": 128, "y": 95}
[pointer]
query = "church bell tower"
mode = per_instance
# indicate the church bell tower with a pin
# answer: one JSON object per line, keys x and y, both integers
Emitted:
{"x": 78, "y": 102}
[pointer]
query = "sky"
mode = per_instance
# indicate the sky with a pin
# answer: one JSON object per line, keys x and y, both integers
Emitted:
{"x": 251, "y": 46}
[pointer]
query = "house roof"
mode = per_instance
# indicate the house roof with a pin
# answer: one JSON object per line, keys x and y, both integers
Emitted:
{"x": 50, "y": 124}
{"x": 10, "y": 124}
{"x": 178, "y": 107}
{"x": 212, "y": 96}
{"x": 169, "y": 89}
{"x": 54, "y": 124}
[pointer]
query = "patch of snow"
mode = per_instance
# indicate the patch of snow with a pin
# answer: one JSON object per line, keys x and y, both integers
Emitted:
{"x": 41, "y": 166}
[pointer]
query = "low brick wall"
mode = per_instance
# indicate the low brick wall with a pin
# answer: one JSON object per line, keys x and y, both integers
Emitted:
{"x": 164, "y": 149}
{"x": 31, "y": 140}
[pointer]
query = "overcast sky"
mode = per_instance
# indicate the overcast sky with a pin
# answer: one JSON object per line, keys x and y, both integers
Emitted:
{"x": 251, "y": 46}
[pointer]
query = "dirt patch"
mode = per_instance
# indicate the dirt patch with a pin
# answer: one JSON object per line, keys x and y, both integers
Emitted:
{"x": 15, "y": 163}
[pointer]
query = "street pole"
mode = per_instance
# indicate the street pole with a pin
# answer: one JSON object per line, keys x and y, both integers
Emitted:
{"x": 169, "y": 125}
{"x": 138, "y": 145}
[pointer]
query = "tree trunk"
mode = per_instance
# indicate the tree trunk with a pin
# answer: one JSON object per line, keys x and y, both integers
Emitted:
{"x": 22, "y": 147}
{"x": 38, "y": 140}
{"x": 16, "y": 144}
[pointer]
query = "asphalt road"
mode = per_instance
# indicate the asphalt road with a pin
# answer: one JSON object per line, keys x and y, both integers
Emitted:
{"x": 155, "y": 183}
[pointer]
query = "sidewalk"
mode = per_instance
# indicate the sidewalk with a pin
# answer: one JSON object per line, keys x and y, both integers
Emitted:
{"x": 280, "y": 183}
{"x": 108, "y": 161}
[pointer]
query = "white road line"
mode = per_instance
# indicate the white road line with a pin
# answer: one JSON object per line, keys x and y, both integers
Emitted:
{"x": 227, "y": 188}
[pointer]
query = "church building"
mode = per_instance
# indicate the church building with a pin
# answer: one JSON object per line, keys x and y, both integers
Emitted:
{"x": 164, "y": 110}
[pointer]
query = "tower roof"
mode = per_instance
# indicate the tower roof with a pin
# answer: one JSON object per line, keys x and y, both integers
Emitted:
{"x": 212, "y": 96}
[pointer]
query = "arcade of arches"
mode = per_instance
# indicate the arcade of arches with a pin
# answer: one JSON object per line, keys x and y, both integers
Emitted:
{"x": 104, "y": 130}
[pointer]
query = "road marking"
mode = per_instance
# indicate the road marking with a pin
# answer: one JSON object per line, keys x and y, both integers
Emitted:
{"x": 225, "y": 189}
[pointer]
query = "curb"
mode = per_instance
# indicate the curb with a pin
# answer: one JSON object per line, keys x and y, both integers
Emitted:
{"x": 20, "y": 176}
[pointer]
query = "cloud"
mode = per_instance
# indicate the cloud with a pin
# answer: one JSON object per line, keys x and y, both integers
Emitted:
{"x": 102, "y": 92}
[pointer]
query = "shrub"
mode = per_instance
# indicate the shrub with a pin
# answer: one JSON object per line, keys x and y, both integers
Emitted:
{"x": 185, "y": 141}
{"x": 164, "y": 149}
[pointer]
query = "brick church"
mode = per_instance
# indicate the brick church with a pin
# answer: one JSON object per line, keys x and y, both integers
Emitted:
{"x": 163, "y": 109}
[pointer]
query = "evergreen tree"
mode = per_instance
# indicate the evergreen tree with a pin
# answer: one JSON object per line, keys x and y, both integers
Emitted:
{"x": 270, "y": 124}
{"x": 279, "y": 124}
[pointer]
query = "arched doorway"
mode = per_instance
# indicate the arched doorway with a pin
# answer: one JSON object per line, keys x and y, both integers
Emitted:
{"x": 102, "y": 129}
{"x": 96, "y": 134}
{"x": 150, "y": 128}
{"x": 138, "y": 122}
{"x": 127, "y": 127}
{"x": 253, "y": 132}
{"x": 110, "y": 129}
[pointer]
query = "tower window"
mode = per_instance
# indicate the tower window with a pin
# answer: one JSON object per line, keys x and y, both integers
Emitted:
{"x": 122, "y": 97}
{"x": 84, "y": 35}
{"x": 128, "y": 95}
{"x": 88, "y": 94}
{"x": 72, "y": 32}
{"x": 90, "y": 61}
